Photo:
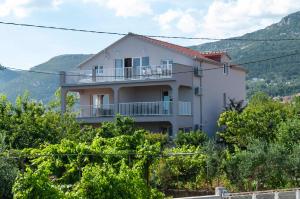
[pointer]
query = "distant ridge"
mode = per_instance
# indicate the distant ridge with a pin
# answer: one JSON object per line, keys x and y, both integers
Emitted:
{"x": 276, "y": 77}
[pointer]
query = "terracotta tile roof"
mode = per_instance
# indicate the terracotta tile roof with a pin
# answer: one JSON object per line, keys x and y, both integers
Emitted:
{"x": 181, "y": 49}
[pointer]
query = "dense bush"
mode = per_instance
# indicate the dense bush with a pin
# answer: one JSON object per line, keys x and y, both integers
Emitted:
{"x": 194, "y": 138}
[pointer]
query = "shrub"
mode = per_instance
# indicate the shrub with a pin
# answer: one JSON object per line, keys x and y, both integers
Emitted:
{"x": 194, "y": 138}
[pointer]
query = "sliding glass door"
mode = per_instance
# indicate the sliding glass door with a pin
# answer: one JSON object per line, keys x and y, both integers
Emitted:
{"x": 136, "y": 68}
{"x": 119, "y": 69}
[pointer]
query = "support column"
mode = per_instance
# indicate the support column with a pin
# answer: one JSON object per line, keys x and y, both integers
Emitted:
{"x": 175, "y": 97}
{"x": 116, "y": 100}
{"x": 63, "y": 99}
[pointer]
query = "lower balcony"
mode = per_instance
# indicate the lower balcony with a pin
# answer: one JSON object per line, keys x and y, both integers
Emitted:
{"x": 132, "y": 109}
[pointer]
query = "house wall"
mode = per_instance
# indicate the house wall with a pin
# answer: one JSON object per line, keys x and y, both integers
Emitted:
{"x": 214, "y": 84}
{"x": 142, "y": 93}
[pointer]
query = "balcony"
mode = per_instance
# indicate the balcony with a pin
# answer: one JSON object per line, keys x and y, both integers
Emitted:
{"x": 94, "y": 111}
{"x": 146, "y": 108}
{"x": 184, "y": 108}
{"x": 119, "y": 74}
{"x": 132, "y": 109}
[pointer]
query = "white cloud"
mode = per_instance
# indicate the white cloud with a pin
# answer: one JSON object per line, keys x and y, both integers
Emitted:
{"x": 230, "y": 18}
{"x": 14, "y": 7}
{"x": 187, "y": 23}
{"x": 122, "y": 8}
{"x": 183, "y": 21}
{"x": 23, "y": 8}
{"x": 225, "y": 18}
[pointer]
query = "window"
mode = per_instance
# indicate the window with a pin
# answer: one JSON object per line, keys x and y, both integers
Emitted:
{"x": 145, "y": 61}
{"x": 226, "y": 69}
{"x": 100, "y": 101}
{"x": 99, "y": 70}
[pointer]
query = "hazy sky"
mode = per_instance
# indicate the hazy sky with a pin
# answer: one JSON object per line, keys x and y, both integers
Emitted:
{"x": 26, "y": 47}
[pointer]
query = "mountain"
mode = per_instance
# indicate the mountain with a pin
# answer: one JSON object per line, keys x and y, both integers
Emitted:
{"x": 40, "y": 86}
{"x": 277, "y": 77}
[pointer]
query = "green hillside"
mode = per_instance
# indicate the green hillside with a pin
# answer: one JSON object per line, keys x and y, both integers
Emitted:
{"x": 276, "y": 77}
{"x": 40, "y": 86}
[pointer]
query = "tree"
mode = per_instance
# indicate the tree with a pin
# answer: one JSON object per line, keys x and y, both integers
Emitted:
{"x": 259, "y": 120}
{"x": 113, "y": 153}
{"x": 106, "y": 182}
{"x": 180, "y": 171}
{"x": 8, "y": 171}
{"x": 36, "y": 184}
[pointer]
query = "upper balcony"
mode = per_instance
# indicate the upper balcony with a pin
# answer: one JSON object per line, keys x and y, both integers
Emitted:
{"x": 99, "y": 75}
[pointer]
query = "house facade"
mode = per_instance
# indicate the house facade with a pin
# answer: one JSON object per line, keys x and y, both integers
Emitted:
{"x": 164, "y": 87}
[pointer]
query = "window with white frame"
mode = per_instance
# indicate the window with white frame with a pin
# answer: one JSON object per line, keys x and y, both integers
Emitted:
{"x": 99, "y": 70}
{"x": 145, "y": 61}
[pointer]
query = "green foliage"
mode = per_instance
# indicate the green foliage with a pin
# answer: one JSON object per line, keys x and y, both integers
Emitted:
{"x": 106, "y": 182}
{"x": 8, "y": 171}
{"x": 259, "y": 120}
{"x": 289, "y": 133}
{"x": 65, "y": 159}
{"x": 194, "y": 138}
{"x": 110, "y": 158}
{"x": 182, "y": 171}
{"x": 28, "y": 123}
{"x": 262, "y": 166}
{"x": 36, "y": 184}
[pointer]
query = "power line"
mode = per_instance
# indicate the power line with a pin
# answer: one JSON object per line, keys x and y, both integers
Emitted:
{"x": 153, "y": 36}
{"x": 268, "y": 59}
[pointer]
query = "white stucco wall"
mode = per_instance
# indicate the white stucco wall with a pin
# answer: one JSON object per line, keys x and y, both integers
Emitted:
{"x": 214, "y": 84}
{"x": 131, "y": 46}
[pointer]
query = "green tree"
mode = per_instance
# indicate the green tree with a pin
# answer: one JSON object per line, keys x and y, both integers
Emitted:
{"x": 8, "y": 171}
{"x": 107, "y": 182}
{"x": 36, "y": 184}
{"x": 259, "y": 120}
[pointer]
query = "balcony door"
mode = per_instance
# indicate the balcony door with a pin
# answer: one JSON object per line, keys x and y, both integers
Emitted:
{"x": 136, "y": 62}
{"x": 128, "y": 68}
{"x": 166, "y": 102}
{"x": 101, "y": 101}
{"x": 119, "y": 69}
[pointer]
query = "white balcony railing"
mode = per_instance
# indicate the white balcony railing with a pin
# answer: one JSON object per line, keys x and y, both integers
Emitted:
{"x": 146, "y": 108}
{"x": 156, "y": 108}
{"x": 184, "y": 108}
{"x": 95, "y": 111}
{"x": 121, "y": 74}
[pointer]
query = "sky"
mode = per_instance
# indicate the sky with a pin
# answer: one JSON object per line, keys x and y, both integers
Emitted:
{"x": 23, "y": 47}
